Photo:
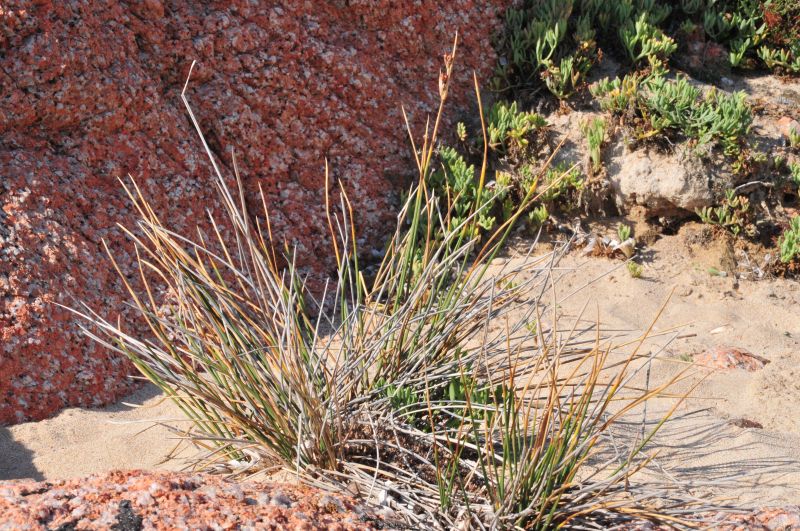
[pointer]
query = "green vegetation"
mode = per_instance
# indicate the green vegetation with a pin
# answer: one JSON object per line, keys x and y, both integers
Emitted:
{"x": 714, "y": 116}
{"x": 733, "y": 214}
{"x": 463, "y": 194}
{"x": 457, "y": 180}
{"x": 785, "y": 59}
{"x": 623, "y": 232}
{"x": 461, "y": 131}
{"x": 538, "y": 43}
{"x": 635, "y": 270}
{"x": 523, "y": 186}
{"x": 644, "y": 41}
{"x": 538, "y": 216}
{"x": 560, "y": 186}
{"x": 790, "y": 241}
{"x": 619, "y": 95}
{"x": 555, "y": 43}
{"x": 595, "y": 132}
{"x": 794, "y": 173}
{"x": 782, "y": 49}
{"x": 794, "y": 138}
{"x": 551, "y": 47}
{"x": 677, "y": 107}
{"x": 509, "y": 128}
{"x": 409, "y": 393}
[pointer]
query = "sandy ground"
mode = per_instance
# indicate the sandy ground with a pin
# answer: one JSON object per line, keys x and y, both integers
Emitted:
{"x": 701, "y": 448}
{"x": 78, "y": 442}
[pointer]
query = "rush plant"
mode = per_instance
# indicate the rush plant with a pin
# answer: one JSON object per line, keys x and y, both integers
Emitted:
{"x": 424, "y": 387}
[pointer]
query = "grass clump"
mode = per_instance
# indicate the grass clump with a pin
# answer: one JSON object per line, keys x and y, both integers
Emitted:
{"x": 410, "y": 394}
{"x": 401, "y": 385}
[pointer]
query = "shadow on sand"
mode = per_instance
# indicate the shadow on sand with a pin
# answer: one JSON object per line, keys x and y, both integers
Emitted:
{"x": 16, "y": 461}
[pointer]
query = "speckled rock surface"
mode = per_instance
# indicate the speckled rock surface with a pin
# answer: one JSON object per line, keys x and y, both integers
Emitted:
{"x": 142, "y": 500}
{"x": 134, "y": 500}
{"x": 765, "y": 519}
{"x": 90, "y": 93}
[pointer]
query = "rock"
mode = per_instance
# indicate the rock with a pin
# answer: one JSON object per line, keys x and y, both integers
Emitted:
{"x": 674, "y": 184}
{"x": 730, "y": 358}
{"x": 91, "y": 93}
{"x": 110, "y": 501}
{"x": 764, "y": 519}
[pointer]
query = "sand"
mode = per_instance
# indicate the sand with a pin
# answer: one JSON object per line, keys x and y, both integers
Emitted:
{"x": 78, "y": 442}
{"x": 701, "y": 448}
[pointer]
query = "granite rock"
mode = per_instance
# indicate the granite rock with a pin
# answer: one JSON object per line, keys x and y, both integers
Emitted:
{"x": 91, "y": 93}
